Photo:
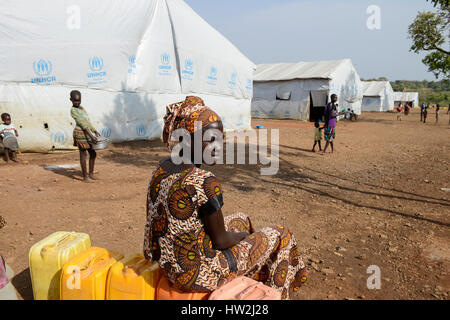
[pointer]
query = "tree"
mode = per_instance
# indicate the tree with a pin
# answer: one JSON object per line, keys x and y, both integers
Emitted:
{"x": 431, "y": 32}
{"x": 442, "y": 3}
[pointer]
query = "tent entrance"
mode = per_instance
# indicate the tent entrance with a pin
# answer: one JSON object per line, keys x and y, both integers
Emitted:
{"x": 318, "y": 100}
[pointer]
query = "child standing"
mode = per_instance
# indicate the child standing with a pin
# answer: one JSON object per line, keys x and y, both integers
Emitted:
{"x": 8, "y": 129}
{"x": 317, "y": 136}
{"x": 399, "y": 112}
{"x": 425, "y": 114}
{"x": 83, "y": 136}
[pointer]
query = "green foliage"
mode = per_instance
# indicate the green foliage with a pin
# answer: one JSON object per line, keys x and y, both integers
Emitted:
{"x": 441, "y": 3}
{"x": 430, "y": 32}
{"x": 429, "y": 91}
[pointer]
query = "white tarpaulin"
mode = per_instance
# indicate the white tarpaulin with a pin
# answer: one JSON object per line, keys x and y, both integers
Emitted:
{"x": 406, "y": 97}
{"x": 128, "y": 58}
{"x": 310, "y": 85}
{"x": 378, "y": 96}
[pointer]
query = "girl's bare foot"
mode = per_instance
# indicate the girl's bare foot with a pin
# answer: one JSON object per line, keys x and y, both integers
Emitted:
{"x": 88, "y": 180}
{"x": 94, "y": 177}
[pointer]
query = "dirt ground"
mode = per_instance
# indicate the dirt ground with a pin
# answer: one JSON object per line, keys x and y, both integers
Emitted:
{"x": 376, "y": 201}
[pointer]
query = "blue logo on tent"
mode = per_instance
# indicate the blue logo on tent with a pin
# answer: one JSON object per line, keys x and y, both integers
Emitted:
{"x": 165, "y": 59}
{"x": 59, "y": 138}
{"x": 106, "y": 132}
{"x": 232, "y": 82}
{"x": 189, "y": 64}
{"x": 132, "y": 63}
{"x": 188, "y": 70}
{"x": 287, "y": 114}
{"x": 141, "y": 130}
{"x": 96, "y": 63}
{"x": 43, "y": 69}
{"x": 97, "y": 75}
{"x": 213, "y": 72}
{"x": 212, "y": 78}
{"x": 165, "y": 66}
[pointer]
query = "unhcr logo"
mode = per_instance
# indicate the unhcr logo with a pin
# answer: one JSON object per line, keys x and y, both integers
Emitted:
{"x": 132, "y": 63}
{"x": 106, "y": 132}
{"x": 59, "y": 138}
{"x": 97, "y": 74}
{"x": 43, "y": 69}
{"x": 188, "y": 70}
{"x": 232, "y": 82}
{"x": 96, "y": 63}
{"x": 141, "y": 130}
{"x": 212, "y": 78}
{"x": 165, "y": 67}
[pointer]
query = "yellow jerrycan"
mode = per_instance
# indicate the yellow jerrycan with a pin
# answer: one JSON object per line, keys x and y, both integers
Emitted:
{"x": 133, "y": 278}
{"x": 48, "y": 256}
{"x": 84, "y": 276}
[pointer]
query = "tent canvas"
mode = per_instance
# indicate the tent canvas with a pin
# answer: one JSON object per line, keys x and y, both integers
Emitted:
{"x": 129, "y": 59}
{"x": 411, "y": 98}
{"x": 308, "y": 86}
{"x": 378, "y": 96}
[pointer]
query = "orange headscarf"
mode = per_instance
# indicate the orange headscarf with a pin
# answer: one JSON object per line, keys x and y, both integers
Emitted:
{"x": 184, "y": 115}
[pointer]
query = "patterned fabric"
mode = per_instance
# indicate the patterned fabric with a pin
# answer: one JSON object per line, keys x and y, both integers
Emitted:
{"x": 80, "y": 139}
{"x": 176, "y": 238}
{"x": 330, "y": 134}
{"x": 183, "y": 115}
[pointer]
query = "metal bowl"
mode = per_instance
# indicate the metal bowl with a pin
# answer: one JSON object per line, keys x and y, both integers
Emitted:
{"x": 102, "y": 143}
{"x": 10, "y": 142}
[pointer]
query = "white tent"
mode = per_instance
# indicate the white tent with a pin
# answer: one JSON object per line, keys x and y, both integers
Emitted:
{"x": 378, "y": 96}
{"x": 411, "y": 98}
{"x": 301, "y": 90}
{"x": 128, "y": 58}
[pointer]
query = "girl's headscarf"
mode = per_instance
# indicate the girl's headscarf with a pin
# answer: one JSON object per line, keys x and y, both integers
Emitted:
{"x": 184, "y": 115}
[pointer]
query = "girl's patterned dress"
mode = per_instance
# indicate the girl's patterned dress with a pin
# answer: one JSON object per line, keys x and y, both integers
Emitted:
{"x": 175, "y": 237}
{"x": 80, "y": 139}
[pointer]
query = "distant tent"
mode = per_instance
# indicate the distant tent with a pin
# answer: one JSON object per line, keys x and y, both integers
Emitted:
{"x": 378, "y": 96}
{"x": 128, "y": 58}
{"x": 411, "y": 98}
{"x": 302, "y": 90}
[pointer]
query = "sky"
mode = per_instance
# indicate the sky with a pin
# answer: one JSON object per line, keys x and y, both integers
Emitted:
{"x": 270, "y": 31}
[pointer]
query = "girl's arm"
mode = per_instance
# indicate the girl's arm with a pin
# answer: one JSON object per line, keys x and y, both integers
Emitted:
{"x": 221, "y": 239}
{"x": 17, "y": 134}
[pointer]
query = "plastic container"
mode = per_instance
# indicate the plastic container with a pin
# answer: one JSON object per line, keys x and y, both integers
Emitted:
{"x": 133, "y": 278}
{"x": 48, "y": 256}
{"x": 166, "y": 291}
{"x": 84, "y": 276}
{"x": 243, "y": 288}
